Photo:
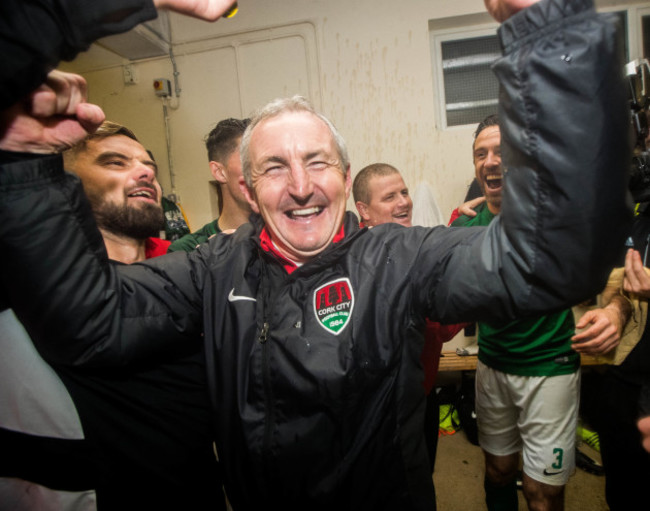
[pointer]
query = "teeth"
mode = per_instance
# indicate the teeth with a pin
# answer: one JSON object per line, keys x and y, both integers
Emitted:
{"x": 142, "y": 193}
{"x": 306, "y": 212}
{"x": 493, "y": 181}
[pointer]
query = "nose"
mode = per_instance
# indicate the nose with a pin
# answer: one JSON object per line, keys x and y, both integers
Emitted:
{"x": 492, "y": 160}
{"x": 404, "y": 200}
{"x": 144, "y": 172}
{"x": 300, "y": 184}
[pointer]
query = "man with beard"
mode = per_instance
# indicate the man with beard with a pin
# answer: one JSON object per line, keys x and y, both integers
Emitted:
{"x": 74, "y": 439}
{"x": 125, "y": 197}
{"x": 487, "y": 167}
{"x": 527, "y": 378}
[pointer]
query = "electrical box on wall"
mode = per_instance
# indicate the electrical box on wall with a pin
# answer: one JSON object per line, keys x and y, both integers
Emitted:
{"x": 130, "y": 75}
{"x": 162, "y": 87}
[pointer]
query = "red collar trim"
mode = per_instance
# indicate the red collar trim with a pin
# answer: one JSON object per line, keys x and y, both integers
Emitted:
{"x": 289, "y": 266}
{"x": 339, "y": 235}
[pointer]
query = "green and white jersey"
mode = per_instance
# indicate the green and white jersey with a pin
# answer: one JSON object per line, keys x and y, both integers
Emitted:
{"x": 190, "y": 241}
{"x": 535, "y": 346}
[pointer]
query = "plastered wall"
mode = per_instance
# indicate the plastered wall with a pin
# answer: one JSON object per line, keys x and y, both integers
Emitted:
{"x": 373, "y": 80}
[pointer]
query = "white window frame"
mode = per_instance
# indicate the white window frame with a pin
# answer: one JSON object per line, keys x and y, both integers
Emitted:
{"x": 437, "y": 39}
{"x": 472, "y": 26}
{"x": 642, "y": 12}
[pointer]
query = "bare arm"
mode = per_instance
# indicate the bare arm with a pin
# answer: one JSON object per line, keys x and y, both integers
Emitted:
{"x": 603, "y": 327}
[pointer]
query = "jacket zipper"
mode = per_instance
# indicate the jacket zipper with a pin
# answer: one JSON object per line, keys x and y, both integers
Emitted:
{"x": 264, "y": 333}
{"x": 267, "y": 309}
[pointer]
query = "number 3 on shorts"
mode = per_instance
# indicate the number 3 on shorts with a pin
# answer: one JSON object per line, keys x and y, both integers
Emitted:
{"x": 559, "y": 454}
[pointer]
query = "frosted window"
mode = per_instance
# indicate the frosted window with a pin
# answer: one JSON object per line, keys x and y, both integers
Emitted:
{"x": 471, "y": 89}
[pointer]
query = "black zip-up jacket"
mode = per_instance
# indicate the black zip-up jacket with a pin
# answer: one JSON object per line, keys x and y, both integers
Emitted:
{"x": 315, "y": 376}
{"x": 36, "y": 35}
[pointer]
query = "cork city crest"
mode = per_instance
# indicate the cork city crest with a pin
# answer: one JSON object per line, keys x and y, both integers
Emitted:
{"x": 333, "y": 303}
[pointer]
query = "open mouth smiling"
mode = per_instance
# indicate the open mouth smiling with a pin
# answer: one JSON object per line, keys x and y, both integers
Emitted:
{"x": 148, "y": 194}
{"x": 305, "y": 212}
{"x": 493, "y": 181}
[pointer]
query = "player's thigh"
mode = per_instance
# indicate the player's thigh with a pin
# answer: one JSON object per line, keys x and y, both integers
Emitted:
{"x": 547, "y": 425}
{"x": 496, "y": 413}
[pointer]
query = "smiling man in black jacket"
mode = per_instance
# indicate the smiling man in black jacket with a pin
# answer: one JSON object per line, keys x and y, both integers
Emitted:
{"x": 313, "y": 326}
{"x": 124, "y": 438}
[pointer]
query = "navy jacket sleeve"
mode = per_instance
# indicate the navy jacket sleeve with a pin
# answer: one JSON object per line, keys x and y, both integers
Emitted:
{"x": 566, "y": 154}
{"x": 36, "y": 35}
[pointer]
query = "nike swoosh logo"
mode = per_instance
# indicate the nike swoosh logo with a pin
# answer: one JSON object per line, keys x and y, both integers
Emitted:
{"x": 547, "y": 473}
{"x": 232, "y": 297}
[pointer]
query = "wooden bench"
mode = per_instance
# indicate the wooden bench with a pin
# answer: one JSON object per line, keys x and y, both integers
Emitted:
{"x": 451, "y": 361}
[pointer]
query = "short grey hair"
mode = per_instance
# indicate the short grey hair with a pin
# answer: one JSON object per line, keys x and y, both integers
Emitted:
{"x": 276, "y": 108}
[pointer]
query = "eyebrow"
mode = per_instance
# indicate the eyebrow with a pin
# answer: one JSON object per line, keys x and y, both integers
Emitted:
{"x": 110, "y": 155}
{"x": 315, "y": 154}
{"x": 393, "y": 192}
{"x": 308, "y": 156}
{"x": 151, "y": 163}
{"x": 274, "y": 159}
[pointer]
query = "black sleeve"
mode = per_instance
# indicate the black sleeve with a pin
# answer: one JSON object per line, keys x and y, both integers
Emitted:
{"x": 566, "y": 153}
{"x": 36, "y": 35}
{"x": 77, "y": 307}
{"x": 644, "y": 399}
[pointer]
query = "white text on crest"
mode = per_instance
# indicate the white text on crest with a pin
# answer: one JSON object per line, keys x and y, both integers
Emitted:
{"x": 334, "y": 308}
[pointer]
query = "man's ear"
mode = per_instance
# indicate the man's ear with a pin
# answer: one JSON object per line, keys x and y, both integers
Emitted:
{"x": 362, "y": 208}
{"x": 249, "y": 194}
{"x": 348, "y": 182}
{"x": 218, "y": 172}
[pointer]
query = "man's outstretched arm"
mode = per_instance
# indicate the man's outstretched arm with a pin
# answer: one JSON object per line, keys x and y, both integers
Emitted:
{"x": 564, "y": 121}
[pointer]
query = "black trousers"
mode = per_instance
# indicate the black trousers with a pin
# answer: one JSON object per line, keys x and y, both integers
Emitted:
{"x": 610, "y": 406}
{"x": 431, "y": 426}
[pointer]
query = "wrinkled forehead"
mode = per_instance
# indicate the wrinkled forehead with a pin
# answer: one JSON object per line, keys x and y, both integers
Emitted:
{"x": 488, "y": 137}
{"x": 385, "y": 183}
{"x": 299, "y": 131}
{"x": 118, "y": 144}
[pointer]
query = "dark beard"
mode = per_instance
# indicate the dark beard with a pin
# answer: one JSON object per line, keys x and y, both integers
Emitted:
{"x": 495, "y": 201}
{"x": 139, "y": 223}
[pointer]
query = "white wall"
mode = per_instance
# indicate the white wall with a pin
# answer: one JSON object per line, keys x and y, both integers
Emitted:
{"x": 374, "y": 81}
